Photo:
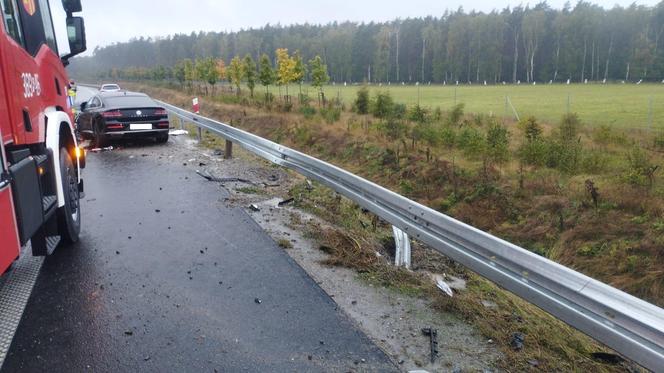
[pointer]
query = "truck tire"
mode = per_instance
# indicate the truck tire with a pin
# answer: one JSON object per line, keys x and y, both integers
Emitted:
{"x": 69, "y": 215}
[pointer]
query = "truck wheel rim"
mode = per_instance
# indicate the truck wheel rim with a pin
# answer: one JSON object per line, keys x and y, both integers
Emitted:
{"x": 73, "y": 194}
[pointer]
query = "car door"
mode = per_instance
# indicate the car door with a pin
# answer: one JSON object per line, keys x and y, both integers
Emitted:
{"x": 87, "y": 116}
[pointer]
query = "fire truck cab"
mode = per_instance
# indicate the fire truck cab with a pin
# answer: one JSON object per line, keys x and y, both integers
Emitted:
{"x": 40, "y": 161}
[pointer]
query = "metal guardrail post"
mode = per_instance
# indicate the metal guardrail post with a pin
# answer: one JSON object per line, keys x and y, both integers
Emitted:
{"x": 401, "y": 248}
{"x": 627, "y": 324}
{"x": 228, "y": 153}
{"x": 200, "y": 134}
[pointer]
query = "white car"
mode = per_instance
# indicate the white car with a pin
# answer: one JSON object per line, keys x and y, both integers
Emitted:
{"x": 110, "y": 88}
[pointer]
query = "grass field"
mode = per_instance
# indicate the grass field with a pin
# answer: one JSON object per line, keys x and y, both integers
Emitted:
{"x": 624, "y": 106}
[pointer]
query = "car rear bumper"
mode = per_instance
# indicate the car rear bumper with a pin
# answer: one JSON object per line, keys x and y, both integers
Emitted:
{"x": 136, "y": 133}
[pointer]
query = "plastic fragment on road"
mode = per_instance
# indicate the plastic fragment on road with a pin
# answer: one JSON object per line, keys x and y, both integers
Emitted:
{"x": 178, "y": 132}
{"x": 402, "y": 248}
{"x": 98, "y": 150}
{"x": 442, "y": 285}
{"x": 206, "y": 175}
{"x": 286, "y": 202}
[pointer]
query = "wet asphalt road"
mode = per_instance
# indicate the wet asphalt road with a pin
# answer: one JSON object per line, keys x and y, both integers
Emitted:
{"x": 167, "y": 278}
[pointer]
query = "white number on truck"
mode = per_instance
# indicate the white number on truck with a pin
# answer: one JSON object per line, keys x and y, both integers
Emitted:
{"x": 31, "y": 85}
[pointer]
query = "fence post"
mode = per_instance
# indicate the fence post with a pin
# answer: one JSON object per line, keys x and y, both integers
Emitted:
{"x": 568, "y": 103}
{"x": 200, "y": 134}
{"x": 650, "y": 114}
{"x": 228, "y": 153}
{"x": 401, "y": 248}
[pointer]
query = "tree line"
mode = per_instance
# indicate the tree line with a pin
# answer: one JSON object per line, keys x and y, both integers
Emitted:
{"x": 521, "y": 44}
{"x": 288, "y": 69}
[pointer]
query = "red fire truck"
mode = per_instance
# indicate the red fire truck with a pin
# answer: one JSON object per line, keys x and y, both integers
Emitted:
{"x": 40, "y": 161}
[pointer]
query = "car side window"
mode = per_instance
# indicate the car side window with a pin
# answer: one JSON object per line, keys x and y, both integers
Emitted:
{"x": 11, "y": 20}
{"x": 94, "y": 103}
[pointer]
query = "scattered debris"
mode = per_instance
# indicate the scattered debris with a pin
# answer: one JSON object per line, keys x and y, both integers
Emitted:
{"x": 442, "y": 285}
{"x": 534, "y": 363}
{"x": 129, "y": 332}
{"x": 201, "y": 164}
{"x": 606, "y": 357}
{"x": 157, "y": 211}
{"x": 517, "y": 341}
{"x": 178, "y": 132}
{"x": 286, "y": 201}
{"x": 98, "y": 150}
{"x": 209, "y": 177}
{"x": 489, "y": 304}
{"x": 218, "y": 152}
{"x": 433, "y": 342}
{"x": 253, "y": 207}
{"x": 310, "y": 185}
{"x": 258, "y": 301}
{"x": 146, "y": 358}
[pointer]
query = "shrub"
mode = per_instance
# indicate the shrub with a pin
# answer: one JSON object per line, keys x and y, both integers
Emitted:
{"x": 304, "y": 99}
{"x": 303, "y": 135}
{"x": 392, "y": 128}
{"x": 471, "y": 142}
{"x": 382, "y": 106}
{"x": 331, "y": 114}
{"x": 497, "y": 142}
{"x": 531, "y": 129}
{"x": 399, "y": 111}
{"x": 425, "y": 132}
{"x": 602, "y": 134}
{"x": 437, "y": 114}
{"x": 362, "y": 101}
{"x": 659, "y": 141}
{"x": 448, "y": 136}
{"x": 594, "y": 161}
{"x": 456, "y": 113}
{"x": 641, "y": 171}
{"x": 533, "y": 153}
{"x": 569, "y": 127}
{"x": 418, "y": 114}
{"x": 307, "y": 111}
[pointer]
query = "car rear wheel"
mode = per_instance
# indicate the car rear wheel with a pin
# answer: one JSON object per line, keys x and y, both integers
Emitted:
{"x": 100, "y": 139}
{"x": 69, "y": 215}
{"x": 162, "y": 138}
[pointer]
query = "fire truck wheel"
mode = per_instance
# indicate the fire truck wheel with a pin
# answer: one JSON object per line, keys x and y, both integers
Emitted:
{"x": 69, "y": 215}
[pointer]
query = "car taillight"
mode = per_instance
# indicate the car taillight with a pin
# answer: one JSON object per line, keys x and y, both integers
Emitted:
{"x": 160, "y": 112}
{"x": 112, "y": 114}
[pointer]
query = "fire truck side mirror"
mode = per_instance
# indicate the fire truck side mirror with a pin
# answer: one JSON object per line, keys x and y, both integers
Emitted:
{"x": 72, "y": 6}
{"x": 76, "y": 34}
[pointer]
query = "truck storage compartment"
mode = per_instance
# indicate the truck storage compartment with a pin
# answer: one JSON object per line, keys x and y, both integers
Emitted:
{"x": 27, "y": 198}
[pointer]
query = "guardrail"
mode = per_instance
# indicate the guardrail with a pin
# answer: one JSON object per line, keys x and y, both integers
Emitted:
{"x": 627, "y": 324}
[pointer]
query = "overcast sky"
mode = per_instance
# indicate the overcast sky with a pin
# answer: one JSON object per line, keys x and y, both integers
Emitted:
{"x": 120, "y": 20}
